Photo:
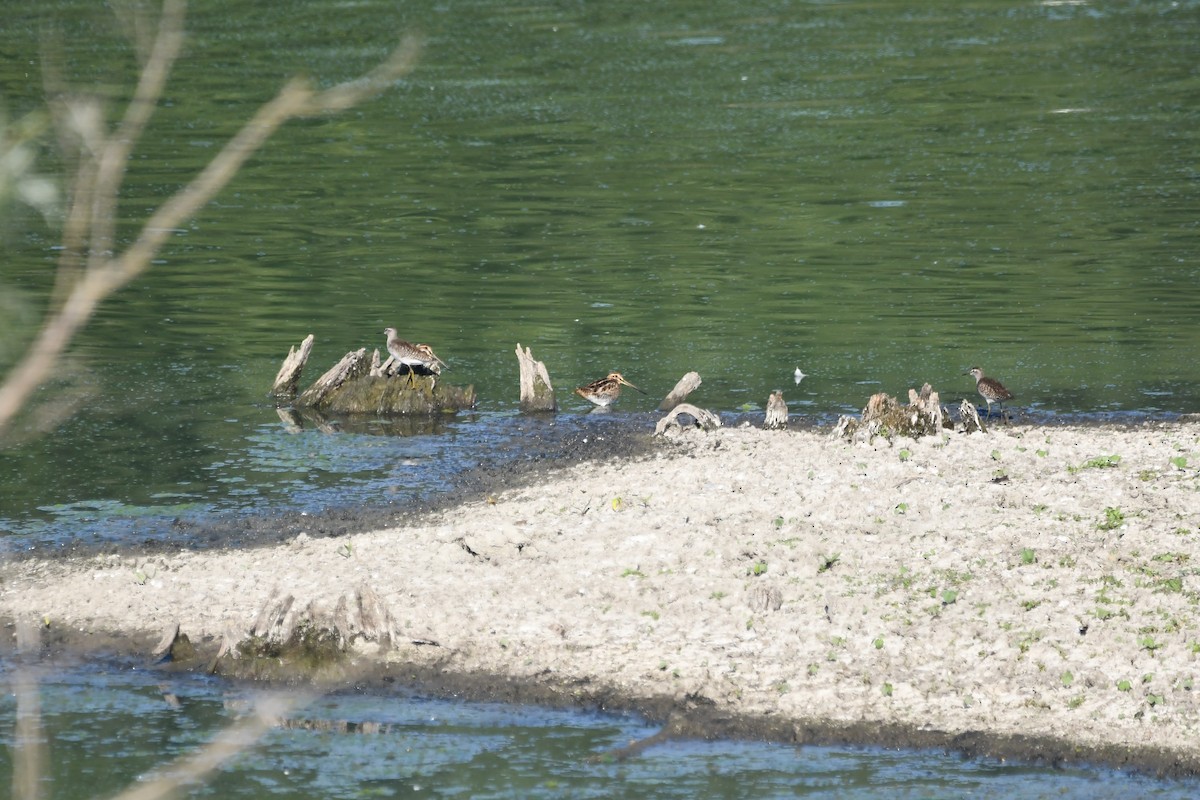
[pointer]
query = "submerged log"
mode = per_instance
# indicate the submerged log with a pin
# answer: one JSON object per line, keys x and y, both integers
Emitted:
{"x": 687, "y": 384}
{"x": 288, "y": 377}
{"x": 701, "y": 418}
{"x": 536, "y": 392}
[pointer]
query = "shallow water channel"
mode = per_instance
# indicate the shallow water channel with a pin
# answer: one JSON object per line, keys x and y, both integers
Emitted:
{"x": 883, "y": 194}
{"x": 110, "y": 728}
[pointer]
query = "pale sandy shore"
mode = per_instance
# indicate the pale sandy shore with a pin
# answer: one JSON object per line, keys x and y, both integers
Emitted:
{"x": 1031, "y": 584}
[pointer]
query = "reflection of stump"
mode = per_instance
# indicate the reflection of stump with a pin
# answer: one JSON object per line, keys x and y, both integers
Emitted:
{"x": 536, "y": 392}
{"x": 289, "y": 373}
{"x": 687, "y": 384}
{"x": 777, "y": 412}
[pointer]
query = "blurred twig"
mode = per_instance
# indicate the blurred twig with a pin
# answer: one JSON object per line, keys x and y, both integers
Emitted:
{"x": 229, "y": 743}
{"x": 91, "y": 268}
{"x": 29, "y": 752}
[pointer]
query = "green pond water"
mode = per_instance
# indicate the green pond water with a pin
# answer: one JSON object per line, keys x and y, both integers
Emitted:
{"x": 881, "y": 193}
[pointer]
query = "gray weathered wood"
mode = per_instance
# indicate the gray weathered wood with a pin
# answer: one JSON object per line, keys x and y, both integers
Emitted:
{"x": 885, "y": 416}
{"x": 288, "y": 377}
{"x": 968, "y": 415}
{"x": 354, "y": 364}
{"x": 704, "y": 419}
{"x": 536, "y": 392}
{"x": 687, "y": 384}
{"x": 777, "y": 412}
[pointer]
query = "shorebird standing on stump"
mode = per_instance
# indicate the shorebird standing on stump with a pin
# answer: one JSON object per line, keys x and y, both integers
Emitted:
{"x": 412, "y": 355}
{"x": 605, "y": 391}
{"x": 991, "y": 390}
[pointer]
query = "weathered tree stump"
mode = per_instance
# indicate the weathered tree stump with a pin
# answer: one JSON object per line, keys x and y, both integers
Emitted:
{"x": 397, "y": 395}
{"x": 353, "y": 365}
{"x": 777, "y": 412}
{"x": 288, "y": 377}
{"x": 687, "y": 384}
{"x": 703, "y": 419}
{"x": 536, "y": 392}
{"x": 884, "y": 416}
{"x": 361, "y": 385}
{"x": 968, "y": 416}
{"x": 929, "y": 406}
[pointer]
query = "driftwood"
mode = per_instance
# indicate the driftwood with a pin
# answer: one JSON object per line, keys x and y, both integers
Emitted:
{"x": 929, "y": 406}
{"x": 536, "y": 392}
{"x": 777, "y": 412}
{"x": 968, "y": 416}
{"x": 359, "y": 384}
{"x": 289, "y": 373}
{"x": 884, "y": 416}
{"x": 353, "y": 365}
{"x": 706, "y": 420}
{"x": 687, "y": 384}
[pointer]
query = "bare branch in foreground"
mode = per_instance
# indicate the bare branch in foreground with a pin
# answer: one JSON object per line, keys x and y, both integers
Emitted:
{"x": 103, "y": 159}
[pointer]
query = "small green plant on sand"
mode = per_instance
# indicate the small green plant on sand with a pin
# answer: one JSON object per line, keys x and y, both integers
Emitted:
{"x": 1028, "y": 556}
{"x": 1099, "y": 462}
{"x": 826, "y": 563}
{"x": 1113, "y": 519}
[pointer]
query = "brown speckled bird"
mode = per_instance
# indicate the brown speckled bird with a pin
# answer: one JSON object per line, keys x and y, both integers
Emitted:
{"x": 605, "y": 391}
{"x": 412, "y": 355}
{"x": 990, "y": 389}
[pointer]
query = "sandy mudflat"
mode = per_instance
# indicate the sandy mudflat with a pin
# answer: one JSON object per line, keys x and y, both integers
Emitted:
{"x": 1019, "y": 583}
